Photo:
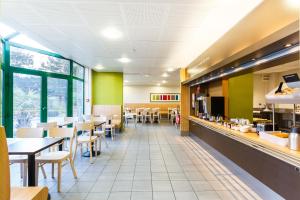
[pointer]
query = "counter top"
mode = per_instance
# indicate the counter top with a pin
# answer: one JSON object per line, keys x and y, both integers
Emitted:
{"x": 253, "y": 140}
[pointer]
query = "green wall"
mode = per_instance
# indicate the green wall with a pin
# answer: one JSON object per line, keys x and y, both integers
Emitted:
{"x": 240, "y": 96}
{"x": 107, "y": 88}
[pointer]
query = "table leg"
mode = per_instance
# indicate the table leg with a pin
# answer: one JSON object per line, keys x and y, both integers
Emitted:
{"x": 31, "y": 170}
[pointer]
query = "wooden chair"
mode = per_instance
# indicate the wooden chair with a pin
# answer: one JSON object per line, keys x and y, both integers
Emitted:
{"x": 86, "y": 137}
{"x": 46, "y": 125}
{"x": 22, "y": 159}
{"x": 15, "y": 193}
{"x": 147, "y": 115}
{"x": 100, "y": 131}
{"x": 155, "y": 115}
{"x": 58, "y": 157}
{"x": 139, "y": 114}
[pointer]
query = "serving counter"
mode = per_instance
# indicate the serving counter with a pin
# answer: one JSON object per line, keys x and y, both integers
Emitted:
{"x": 277, "y": 167}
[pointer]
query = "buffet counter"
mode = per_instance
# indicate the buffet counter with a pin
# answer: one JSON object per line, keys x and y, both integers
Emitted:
{"x": 253, "y": 140}
{"x": 276, "y": 166}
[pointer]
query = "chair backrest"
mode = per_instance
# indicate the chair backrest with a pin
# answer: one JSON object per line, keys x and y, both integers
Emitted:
{"x": 71, "y": 119}
{"x": 155, "y": 111}
{"x": 46, "y": 125}
{"x": 4, "y": 167}
{"x": 63, "y": 133}
{"x": 139, "y": 111}
{"x": 146, "y": 111}
{"x": 30, "y": 133}
{"x": 99, "y": 119}
{"x": 84, "y": 126}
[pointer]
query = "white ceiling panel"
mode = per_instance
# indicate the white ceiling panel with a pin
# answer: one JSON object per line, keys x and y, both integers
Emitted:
{"x": 156, "y": 34}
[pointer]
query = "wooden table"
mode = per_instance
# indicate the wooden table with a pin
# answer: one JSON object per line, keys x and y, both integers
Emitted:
{"x": 30, "y": 147}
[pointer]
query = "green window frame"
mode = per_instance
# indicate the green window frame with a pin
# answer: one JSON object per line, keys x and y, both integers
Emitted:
{"x": 8, "y": 70}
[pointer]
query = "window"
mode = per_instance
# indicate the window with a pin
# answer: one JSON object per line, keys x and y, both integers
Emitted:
{"x": 78, "y": 70}
{"x": 77, "y": 98}
{"x": 32, "y": 60}
{"x": 26, "y": 100}
{"x": 57, "y": 95}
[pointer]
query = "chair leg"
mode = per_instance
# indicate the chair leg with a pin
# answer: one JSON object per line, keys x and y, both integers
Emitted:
{"x": 36, "y": 173}
{"x": 43, "y": 170}
{"x": 73, "y": 167}
{"x": 52, "y": 170}
{"x": 91, "y": 152}
{"x": 96, "y": 148}
{"x": 25, "y": 174}
{"x": 58, "y": 176}
{"x": 81, "y": 149}
{"x": 75, "y": 151}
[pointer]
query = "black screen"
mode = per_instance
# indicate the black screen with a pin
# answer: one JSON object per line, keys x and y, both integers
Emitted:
{"x": 217, "y": 106}
{"x": 291, "y": 78}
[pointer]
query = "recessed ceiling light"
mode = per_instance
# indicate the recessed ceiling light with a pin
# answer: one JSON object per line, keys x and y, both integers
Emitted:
{"x": 164, "y": 81}
{"x": 158, "y": 84}
{"x": 112, "y": 33}
{"x": 288, "y": 45}
{"x": 165, "y": 75}
{"x": 98, "y": 67}
{"x": 124, "y": 60}
{"x": 170, "y": 69}
{"x": 146, "y": 75}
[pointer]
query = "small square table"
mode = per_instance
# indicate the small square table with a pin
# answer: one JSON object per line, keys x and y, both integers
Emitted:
{"x": 30, "y": 147}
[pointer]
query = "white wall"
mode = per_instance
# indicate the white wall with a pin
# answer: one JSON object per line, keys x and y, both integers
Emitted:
{"x": 141, "y": 94}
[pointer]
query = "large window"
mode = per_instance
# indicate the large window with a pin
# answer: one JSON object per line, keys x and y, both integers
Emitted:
{"x": 57, "y": 98}
{"x": 41, "y": 87}
{"x": 77, "y": 98}
{"x": 32, "y": 60}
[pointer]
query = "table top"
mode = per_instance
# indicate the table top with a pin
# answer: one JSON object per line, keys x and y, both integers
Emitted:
{"x": 29, "y": 146}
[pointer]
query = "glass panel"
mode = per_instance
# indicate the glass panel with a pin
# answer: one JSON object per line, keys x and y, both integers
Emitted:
{"x": 57, "y": 99}
{"x": 26, "y": 100}
{"x": 32, "y": 60}
{"x": 77, "y": 98}
{"x": 78, "y": 70}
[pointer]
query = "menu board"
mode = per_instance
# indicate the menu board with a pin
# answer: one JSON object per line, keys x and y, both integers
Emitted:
{"x": 164, "y": 97}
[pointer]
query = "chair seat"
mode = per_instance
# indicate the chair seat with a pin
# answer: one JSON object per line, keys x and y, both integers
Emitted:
{"x": 82, "y": 139}
{"x": 29, "y": 193}
{"x": 54, "y": 156}
{"x": 98, "y": 132}
{"x": 17, "y": 158}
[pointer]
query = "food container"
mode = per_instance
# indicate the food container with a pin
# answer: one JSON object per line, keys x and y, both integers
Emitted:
{"x": 294, "y": 139}
{"x": 274, "y": 137}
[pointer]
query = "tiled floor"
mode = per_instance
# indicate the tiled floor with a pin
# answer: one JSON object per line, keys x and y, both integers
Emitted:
{"x": 154, "y": 162}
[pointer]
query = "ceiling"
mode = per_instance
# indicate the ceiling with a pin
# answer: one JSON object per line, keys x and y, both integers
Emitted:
{"x": 157, "y": 34}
